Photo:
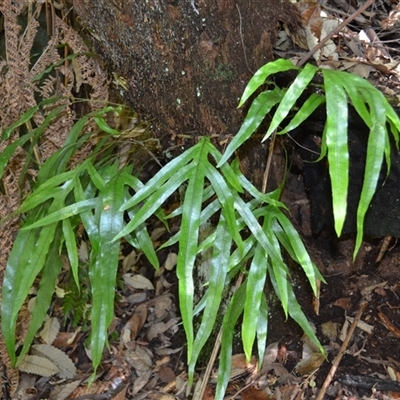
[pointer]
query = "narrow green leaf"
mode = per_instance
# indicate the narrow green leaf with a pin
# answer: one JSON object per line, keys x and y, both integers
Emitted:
{"x": 259, "y": 108}
{"x": 297, "y": 314}
{"x": 144, "y": 240}
{"x": 155, "y": 200}
{"x": 63, "y": 213}
{"x": 221, "y": 250}
{"x": 255, "y": 228}
{"x": 10, "y": 150}
{"x": 233, "y": 313}
{"x": 57, "y": 162}
{"x": 301, "y": 254}
{"x": 103, "y": 269}
{"x": 87, "y": 217}
{"x": 280, "y": 65}
{"x": 229, "y": 174}
{"x": 224, "y": 194}
{"x": 255, "y": 287}
{"x": 188, "y": 243}
{"x": 47, "y": 285}
{"x": 309, "y": 106}
{"x": 206, "y": 214}
{"x": 24, "y": 264}
{"x": 25, "y": 117}
{"x": 373, "y": 165}
{"x": 267, "y": 198}
{"x": 336, "y": 142}
{"x": 48, "y": 190}
{"x": 96, "y": 178}
{"x": 278, "y": 269}
{"x": 72, "y": 249}
{"x": 165, "y": 174}
{"x": 262, "y": 327}
{"x": 291, "y": 96}
{"x": 394, "y": 121}
{"x": 102, "y": 124}
{"x": 237, "y": 258}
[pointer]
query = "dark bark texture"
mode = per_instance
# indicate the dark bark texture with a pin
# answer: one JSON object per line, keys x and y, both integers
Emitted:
{"x": 186, "y": 62}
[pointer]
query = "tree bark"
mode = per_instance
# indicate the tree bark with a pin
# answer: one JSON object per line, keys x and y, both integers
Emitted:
{"x": 186, "y": 63}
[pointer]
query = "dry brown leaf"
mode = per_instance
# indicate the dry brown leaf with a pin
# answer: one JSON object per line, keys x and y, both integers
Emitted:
{"x": 62, "y": 392}
{"x": 50, "y": 330}
{"x": 310, "y": 364}
{"x": 330, "y": 330}
{"x": 344, "y": 302}
{"x": 392, "y": 19}
{"x": 166, "y": 374}
{"x": 137, "y": 281}
{"x": 139, "y": 359}
{"x": 135, "y": 323}
{"x": 159, "y": 396}
{"x": 171, "y": 261}
{"x": 38, "y": 365}
{"x": 64, "y": 364}
{"x": 141, "y": 382}
{"x": 251, "y": 393}
{"x": 129, "y": 262}
{"x": 159, "y": 328}
{"x": 163, "y": 305}
{"x": 271, "y": 352}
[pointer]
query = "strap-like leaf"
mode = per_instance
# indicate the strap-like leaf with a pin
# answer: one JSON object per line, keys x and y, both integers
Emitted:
{"x": 224, "y": 194}
{"x": 336, "y": 142}
{"x": 103, "y": 268}
{"x": 309, "y": 106}
{"x": 373, "y": 164}
{"x": 262, "y": 327}
{"x": 300, "y": 253}
{"x": 255, "y": 287}
{"x": 45, "y": 292}
{"x": 259, "y": 108}
{"x": 64, "y": 212}
{"x": 155, "y": 200}
{"x": 166, "y": 173}
{"x": 233, "y": 313}
{"x": 72, "y": 249}
{"x": 298, "y": 315}
{"x": 26, "y": 260}
{"x": 220, "y": 253}
{"x": 259, "y": 78}
{"x": 291, "y": 96}
{"x": 188, "y": 243}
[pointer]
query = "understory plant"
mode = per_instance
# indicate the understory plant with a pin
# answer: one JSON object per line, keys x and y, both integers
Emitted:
{"x": 253, "y": 232}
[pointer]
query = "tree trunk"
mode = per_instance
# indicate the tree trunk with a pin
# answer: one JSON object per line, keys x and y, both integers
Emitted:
{"x": 186, "y": 63}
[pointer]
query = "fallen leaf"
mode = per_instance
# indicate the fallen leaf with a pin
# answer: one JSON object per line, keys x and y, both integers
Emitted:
{"x": 137, "y": 281}
{"x": 64, "y": 364}
{"x": 38, "y": 365}
{"x": 159, "y": 328}
{"x": 50, "y": 330}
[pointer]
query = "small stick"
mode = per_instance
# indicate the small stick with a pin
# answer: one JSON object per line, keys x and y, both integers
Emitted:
{"x": 334, "y": 32}
{"x": 342, "y": 350}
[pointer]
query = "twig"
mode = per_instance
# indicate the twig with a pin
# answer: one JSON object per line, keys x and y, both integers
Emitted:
{"x": 342, "y": 350}
{"x": 334, "y": 32}
{"x": 241, "y": 39}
